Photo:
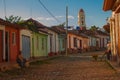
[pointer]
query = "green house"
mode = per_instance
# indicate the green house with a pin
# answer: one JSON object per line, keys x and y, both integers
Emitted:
{"x": 39, "y": 44}
{"x": 39, "y": 38}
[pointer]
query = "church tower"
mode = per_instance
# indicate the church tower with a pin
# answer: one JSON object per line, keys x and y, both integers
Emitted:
{"x": 81, "y": 20}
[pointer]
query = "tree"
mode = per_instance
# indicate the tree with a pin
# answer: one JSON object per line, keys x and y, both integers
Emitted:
{"x": 13, "y": 19}
{"x": 107, "y": 27}
{"x": 63, "y": 24}
{"x": 94, "y": 28}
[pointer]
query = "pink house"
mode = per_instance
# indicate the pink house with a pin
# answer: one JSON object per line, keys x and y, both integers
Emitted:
{"x": 77, "y": 41}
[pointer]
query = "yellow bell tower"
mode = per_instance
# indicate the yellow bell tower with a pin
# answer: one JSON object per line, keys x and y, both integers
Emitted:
{"x": 81, "y": 19}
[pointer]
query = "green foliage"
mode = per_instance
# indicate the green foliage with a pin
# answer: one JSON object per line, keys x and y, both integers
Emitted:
{"x": 27, "y": 24}
{"x": 94, "y": 28}
{"x": 30, "y": 25}
{"x": 107, "y": 28}
{"x": 13, "y": 19}
{"x": 63, "y": 24}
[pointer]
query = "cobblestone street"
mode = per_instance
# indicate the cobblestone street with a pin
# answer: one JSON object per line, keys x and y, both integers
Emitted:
{"x": 72, "y": 67}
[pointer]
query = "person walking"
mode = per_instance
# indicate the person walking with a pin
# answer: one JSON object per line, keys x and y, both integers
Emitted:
{"x": 108, "y": 50}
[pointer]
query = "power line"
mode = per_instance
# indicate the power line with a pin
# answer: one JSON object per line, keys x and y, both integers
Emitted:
{"x": 49, "y": 11}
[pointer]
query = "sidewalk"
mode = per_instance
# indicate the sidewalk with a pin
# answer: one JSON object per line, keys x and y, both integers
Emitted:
{"x": 114, "y": 65}
{"x": 4, "y": 66}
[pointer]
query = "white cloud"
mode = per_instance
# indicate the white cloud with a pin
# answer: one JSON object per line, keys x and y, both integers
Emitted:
{"x": 40, "y": 18}
{"x": 59, "y": 16}
{"x": 70, "y": 17}
{"x": 50, "y": 19}
{"x": 26, "y": 18}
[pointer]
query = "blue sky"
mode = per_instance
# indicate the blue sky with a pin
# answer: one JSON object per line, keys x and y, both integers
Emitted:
{"x": 32, "y": 8}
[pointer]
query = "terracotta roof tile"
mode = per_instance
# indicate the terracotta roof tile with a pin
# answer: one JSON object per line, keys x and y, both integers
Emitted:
{"x": 58, "y": 29}
{"x": 8, "y": 24}
{"x": 38, "y": 24}
{"x": 76, "y": 32}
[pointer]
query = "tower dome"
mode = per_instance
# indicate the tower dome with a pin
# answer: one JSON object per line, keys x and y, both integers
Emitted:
{"x": 81, "y": 10}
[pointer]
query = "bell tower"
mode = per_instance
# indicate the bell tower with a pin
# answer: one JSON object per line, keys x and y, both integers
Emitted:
{"x": 81, "y": 20}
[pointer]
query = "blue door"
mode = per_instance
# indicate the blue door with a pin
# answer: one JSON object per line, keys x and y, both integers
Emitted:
{"x": 26, "y": 46}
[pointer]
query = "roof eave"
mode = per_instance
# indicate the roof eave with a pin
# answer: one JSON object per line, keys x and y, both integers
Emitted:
{"x": 108, "y": 4}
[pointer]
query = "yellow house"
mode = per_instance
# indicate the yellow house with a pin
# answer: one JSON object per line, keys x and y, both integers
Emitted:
{"x": 114, "y": 21}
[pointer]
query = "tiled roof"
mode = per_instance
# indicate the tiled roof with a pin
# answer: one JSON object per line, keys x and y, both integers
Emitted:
{"x": 58, "y": 29}
{"x": 102, "y": 33}
{"x": 38, "y": 26}
{"x": 36, "y": 23}
{"x": 76, "y": 32}
{"x": 93, "y": 33}
{"x": 8, "y": 24}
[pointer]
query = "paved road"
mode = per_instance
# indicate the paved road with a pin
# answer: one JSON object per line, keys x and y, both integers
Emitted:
{"x": 64, "y": 68}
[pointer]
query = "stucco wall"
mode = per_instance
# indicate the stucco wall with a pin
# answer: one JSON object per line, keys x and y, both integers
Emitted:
{"x": 26, "y": 33}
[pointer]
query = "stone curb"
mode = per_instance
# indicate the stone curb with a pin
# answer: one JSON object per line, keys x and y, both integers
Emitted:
{"x": 113, "y": 66}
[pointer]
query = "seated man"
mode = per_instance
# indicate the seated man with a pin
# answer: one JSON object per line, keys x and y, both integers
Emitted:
{"x": 20, "y": 60}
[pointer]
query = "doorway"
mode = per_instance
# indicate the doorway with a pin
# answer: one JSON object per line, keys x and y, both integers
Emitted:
{"x": 6, "y": 46}
{"x": 1, "y": 45}
{"x": 26, "y": 46}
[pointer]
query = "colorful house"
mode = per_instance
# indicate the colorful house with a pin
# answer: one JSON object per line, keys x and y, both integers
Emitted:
{"x": 61, "y": 38}
{"x": 26, "y": 43}
{"x": 97, "y": 39}
{"x": 52, "y": 41}
{"x": 10, "y": 42}
{"x": 103, "y": 39}
{"x": 114, "y": 21}
{"x": 39, "y": 39}
{"x": 2, "y": 38}
{"x": 39, "y": 44}
{"x": 77, "y": 41}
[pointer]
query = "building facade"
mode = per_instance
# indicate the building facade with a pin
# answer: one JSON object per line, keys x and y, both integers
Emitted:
{"x": 114, "y": 21}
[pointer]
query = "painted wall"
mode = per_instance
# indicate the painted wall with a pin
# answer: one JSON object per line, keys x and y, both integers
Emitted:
{"x": 93, "y": 41}
{"x": 53, "y": 45}
{"x": 27, "y": 33}
{"x": 103, "y": 41}
{"x": 13, "y": 44}
{"x": 39, "y": 45}
{"x": 61, "y": 40}
{"x": 85, "y": 41}
{"x": 114, "y": 35}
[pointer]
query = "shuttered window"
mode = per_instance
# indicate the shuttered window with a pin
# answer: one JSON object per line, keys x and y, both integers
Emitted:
{"x": 13, "y": 38}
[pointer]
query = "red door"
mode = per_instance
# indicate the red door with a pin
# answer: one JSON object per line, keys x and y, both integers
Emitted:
{"x": 1, "y": 45}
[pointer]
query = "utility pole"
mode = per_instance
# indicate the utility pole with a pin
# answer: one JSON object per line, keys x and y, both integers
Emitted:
{"x": 66, "y": 29}
{"x": 5, "y": 8}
